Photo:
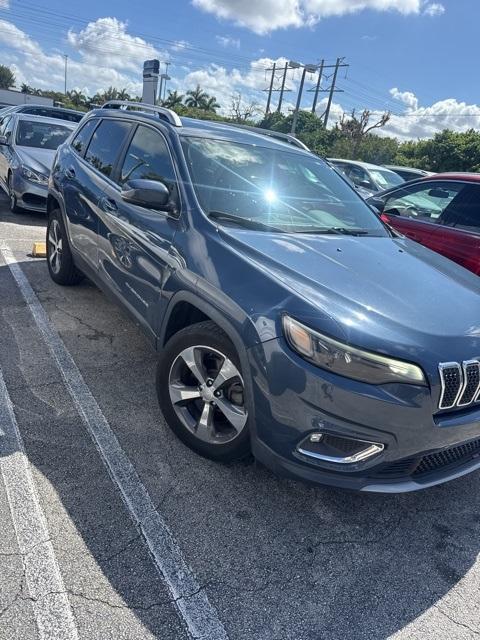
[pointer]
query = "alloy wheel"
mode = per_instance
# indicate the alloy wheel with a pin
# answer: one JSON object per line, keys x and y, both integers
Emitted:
{"x": 55, "y": 246}
{"x": 207, "y": 394}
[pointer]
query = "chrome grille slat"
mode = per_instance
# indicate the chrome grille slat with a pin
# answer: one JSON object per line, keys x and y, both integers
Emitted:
{"x": 460, "y": 383}
{"x": 471, "y": 382}
{"x": 451, "y": 377}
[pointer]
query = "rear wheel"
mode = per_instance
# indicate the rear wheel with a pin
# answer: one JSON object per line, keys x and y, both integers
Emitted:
{"x": 59, "y": 257}
{"x": 14, "y": 208}
{"x": 202, "y": 394}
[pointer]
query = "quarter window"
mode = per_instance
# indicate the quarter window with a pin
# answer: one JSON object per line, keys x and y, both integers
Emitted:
{"x": 148, "y": 158}
{"x": 105, "y": 145}
{"x": 82, "y": 138}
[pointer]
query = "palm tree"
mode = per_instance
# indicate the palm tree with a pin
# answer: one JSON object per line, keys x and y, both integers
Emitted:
{"x": 173, "y": 100}
{"x": 196, "y": 98}
{"x": 211, "y": 104}
{"x": 110, "y": 94}
{"x": 25, "y": 88}
{"x": 77, "y": 98}
{"x": 123, "y": 95}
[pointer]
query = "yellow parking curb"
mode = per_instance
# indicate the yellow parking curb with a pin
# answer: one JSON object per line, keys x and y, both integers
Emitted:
{"x": 39, "y": 250}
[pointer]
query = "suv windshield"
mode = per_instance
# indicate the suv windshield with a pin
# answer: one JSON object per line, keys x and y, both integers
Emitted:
{"x": 386, "y": 179}
{"x": 271, "y": 189}
{"x": 41, "y": 134}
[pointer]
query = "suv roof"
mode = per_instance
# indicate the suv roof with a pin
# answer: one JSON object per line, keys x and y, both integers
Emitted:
{"x": 365, "y": 165}
{"x": 72, "y": 115}
{"x": 204, "y": 128}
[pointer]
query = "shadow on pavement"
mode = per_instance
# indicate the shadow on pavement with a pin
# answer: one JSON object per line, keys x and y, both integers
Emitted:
{"x": 282, "y": 561}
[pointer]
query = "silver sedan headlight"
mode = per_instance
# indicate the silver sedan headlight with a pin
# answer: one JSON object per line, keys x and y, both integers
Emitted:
{"x": 33, "y": 176}
{"x": 348, "y": 361}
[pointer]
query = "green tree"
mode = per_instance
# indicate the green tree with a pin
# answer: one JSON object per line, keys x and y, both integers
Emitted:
{"x": 211, "y": 104}
{"x": 196, "y": 98}
{"x": 77, "y": 98}
{"x": 7, "y": 77}
{"x": 173, "y": 100}
{"x": 25, "y": 88}
{"x": 123, "y": 95}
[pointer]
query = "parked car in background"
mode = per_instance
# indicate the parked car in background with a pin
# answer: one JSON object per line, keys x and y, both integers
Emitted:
{"x": 369, "y": 177}
{"x": 408, "y": 173}
{"x": 47, "y": 112}
{"x": 27, "y": 149}
{"x": 441, "y": 211}
{"x": 287, "y": 315}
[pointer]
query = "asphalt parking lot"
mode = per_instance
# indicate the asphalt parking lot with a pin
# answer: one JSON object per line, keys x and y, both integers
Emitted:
{"x": 110, "y": 528}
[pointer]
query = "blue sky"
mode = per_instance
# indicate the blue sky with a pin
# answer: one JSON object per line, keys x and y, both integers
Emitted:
{"x": 414, "y": 57}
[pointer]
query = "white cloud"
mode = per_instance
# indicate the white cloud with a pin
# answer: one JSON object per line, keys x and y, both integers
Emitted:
{"x": 227, "y": 41}
{"x": 423, "y": 122}
{"x": 106, "y": 42}
{"x": 180, "y": 45}
{"x": 434, "y": 9}
{"x": 263, "y": 16}
{"x": 407, "y": 97}
{"x": 4, "y": 4}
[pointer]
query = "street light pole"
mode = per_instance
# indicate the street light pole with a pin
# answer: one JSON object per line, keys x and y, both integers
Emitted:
{"x": 66, "y": 62}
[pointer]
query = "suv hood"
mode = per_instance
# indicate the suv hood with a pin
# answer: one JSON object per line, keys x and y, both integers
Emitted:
{"x": 379, "y": 290}
{"x": 37, "y": 159}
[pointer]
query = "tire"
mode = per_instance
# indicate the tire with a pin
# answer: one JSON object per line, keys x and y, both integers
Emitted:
{"x": 14, "y": 208}
{"x": 202, "y": 424}
{"x": 59, "y": 257}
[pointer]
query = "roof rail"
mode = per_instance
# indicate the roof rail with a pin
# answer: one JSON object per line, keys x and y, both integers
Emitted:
{"x": 286, "y": 137}
{"x": 167, "y": 114}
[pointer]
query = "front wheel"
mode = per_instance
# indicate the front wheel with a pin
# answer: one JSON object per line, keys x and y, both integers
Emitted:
{"x": 59, "y": 257}
{"x": 14, "y": 208}
{"x": 201, "y": 392}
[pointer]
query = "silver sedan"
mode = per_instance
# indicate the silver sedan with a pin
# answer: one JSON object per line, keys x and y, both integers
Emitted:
{"x": 27, "y": 150}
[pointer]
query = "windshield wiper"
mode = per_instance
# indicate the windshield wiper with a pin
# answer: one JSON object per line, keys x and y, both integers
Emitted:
{"x": 246, "y": 223}
{"x": 341, "y": 231}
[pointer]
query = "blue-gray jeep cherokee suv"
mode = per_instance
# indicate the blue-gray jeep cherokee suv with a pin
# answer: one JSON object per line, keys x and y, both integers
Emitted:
{"x": 290, "y": 321}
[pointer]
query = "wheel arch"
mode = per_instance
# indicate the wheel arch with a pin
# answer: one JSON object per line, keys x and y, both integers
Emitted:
{"x": 202, "y": 310}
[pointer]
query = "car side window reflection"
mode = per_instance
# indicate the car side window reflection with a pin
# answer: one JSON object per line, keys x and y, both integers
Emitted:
{"x": 426, "y": 201}
{"x": 148, "y": 158}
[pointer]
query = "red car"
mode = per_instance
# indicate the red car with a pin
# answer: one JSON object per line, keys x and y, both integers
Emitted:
{"x": 441, "y": 211}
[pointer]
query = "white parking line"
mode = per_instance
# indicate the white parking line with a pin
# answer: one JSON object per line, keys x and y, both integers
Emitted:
{"x": 199, "y": 615}
{"x": 50, "y": 603}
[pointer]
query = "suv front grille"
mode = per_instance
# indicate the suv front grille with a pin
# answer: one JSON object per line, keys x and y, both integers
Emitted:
{"x": 436, "y": 461}
{"x": 417, "y": 467}
{"x": 460, "y": 383}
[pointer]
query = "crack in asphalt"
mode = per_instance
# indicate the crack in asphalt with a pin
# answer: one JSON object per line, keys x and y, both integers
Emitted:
{"x": 456, "y": 622}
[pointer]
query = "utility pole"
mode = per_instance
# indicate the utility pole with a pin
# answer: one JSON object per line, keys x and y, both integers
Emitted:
{"x": 311, "y": 68}
{"x": 283, "y": 87}
{"x": 271, "y": 89}
{"x": 318, "y": 87}
{"x": 66, "y": 63}
{"x": 332, "y": 90}
{"x": 167, "y": 77}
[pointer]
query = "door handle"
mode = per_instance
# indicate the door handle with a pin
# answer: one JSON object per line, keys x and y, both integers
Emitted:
{"x": 70, "y": 172}
{"x": 108, "y": 205}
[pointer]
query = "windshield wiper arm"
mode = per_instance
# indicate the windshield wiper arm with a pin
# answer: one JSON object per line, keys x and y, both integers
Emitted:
{"x": 247, "y": 223}
{"x": 341, "y": 231}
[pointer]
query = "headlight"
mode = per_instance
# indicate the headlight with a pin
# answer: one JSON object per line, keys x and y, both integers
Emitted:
{"x": 348, "y": 361}
{"x": 34, "y": 176}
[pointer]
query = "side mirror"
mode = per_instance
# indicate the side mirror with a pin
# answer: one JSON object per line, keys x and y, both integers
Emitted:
{"x": 366, "y": 184}
{"x": 148, "y": 193}
{"x": 4, "y": 140}
{"x": 377, "y": 204}
{"x": 438, "y": 193}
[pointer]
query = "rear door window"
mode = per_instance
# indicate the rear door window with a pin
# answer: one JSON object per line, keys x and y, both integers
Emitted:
{"x": 106, "y": 144}
{"x": 464, "y": 212}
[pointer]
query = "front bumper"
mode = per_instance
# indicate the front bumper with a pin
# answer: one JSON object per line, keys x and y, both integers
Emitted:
{"x": 294, "y": 399}
{"x": 30, "y": 195}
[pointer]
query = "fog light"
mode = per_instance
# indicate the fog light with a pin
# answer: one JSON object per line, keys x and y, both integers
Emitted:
{"x": 338, "y": 449}
{"x": 316, "y": 437}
